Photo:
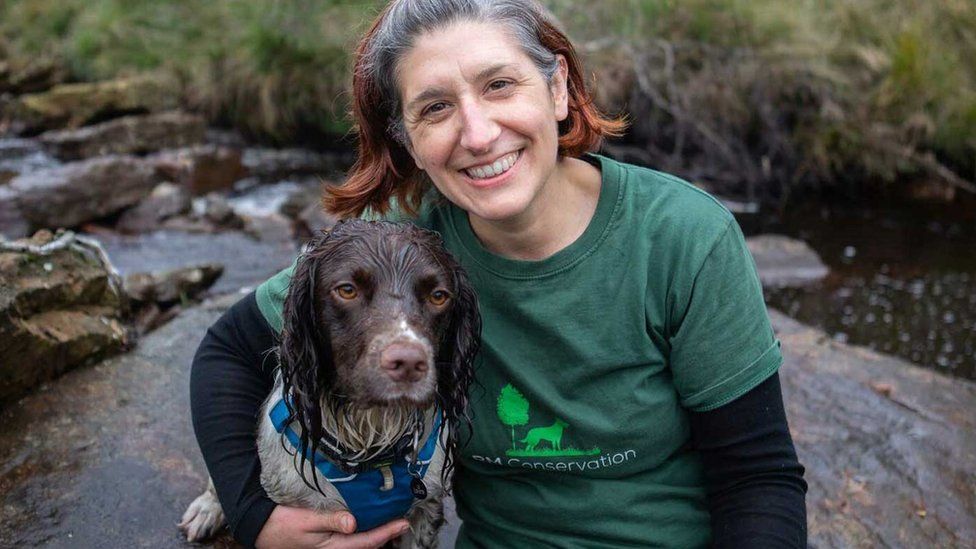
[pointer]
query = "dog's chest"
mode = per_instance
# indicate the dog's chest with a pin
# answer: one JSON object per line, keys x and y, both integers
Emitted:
{"x": 374, "y": 496}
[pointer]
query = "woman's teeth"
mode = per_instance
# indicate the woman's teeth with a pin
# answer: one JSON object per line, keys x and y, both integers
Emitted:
{"x": 497, "y": 167}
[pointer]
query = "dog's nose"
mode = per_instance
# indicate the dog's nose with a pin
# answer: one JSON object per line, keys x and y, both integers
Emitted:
{"x": 404, "y": 361}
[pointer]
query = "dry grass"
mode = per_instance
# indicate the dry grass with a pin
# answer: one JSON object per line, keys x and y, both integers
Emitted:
{"x": 767, "y": 95}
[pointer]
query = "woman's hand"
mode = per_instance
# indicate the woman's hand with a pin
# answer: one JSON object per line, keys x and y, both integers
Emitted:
{"x": 289, "y": 527}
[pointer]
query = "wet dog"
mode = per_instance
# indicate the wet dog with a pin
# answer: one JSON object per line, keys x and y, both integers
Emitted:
{"x": 380, "y": 331}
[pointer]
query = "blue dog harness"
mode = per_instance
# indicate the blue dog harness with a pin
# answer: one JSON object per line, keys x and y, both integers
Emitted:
{"x": 362, "y": 491}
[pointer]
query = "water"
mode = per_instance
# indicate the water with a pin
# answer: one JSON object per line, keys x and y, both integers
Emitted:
{"x": 903, "y": 279}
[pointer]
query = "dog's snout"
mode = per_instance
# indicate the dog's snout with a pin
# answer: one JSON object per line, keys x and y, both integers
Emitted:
{"x": 404, "y": 361}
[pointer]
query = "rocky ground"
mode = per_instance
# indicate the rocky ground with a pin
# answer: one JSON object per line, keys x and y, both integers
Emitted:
{"x": 105, "y": 456}
{"x": 163, "y": 212}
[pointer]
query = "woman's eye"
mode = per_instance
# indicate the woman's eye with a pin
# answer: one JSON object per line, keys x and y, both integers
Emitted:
{"x": 498, "y": 85}
{"x": 438, "y": 297}
{"x": 435, "y": 108}
{"x": 346, "y": 291}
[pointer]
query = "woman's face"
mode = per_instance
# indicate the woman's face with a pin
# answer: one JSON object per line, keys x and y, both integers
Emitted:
{"x": 481, "y": 119}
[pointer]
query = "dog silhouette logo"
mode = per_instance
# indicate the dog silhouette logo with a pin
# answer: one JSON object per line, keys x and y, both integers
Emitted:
{"x": 547, "y": 441}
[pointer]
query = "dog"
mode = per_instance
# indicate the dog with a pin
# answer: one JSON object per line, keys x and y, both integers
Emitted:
{"x": 380, "y": 332}
{"x": 552, "y": 434}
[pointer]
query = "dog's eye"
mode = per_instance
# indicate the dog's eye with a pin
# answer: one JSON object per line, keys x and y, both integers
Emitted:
{"x": 346, "y": 291}
{"x": 438, "y": 297}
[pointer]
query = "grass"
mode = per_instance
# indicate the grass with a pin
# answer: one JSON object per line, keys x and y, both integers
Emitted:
{"x": 551, "y": 452}
{"x": 772, "y": 93}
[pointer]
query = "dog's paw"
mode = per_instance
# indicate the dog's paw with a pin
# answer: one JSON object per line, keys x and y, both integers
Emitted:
{"x": 202, "y": 518}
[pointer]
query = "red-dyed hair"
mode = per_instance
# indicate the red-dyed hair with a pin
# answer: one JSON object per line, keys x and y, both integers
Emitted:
{"x": 384, "y": 169}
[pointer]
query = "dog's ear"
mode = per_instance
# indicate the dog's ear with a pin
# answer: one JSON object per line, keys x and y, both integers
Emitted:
{"x": 305, "y": 352}
{"x": 457, "y": 363}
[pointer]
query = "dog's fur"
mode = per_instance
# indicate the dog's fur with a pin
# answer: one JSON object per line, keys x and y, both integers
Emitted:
{"x": 335, "y": 364}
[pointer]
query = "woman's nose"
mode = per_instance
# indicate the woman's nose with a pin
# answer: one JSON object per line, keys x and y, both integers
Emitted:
{"x": 478, "y": 129}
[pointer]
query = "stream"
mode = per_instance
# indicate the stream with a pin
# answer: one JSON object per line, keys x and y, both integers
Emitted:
{"x": 902, "y": 280}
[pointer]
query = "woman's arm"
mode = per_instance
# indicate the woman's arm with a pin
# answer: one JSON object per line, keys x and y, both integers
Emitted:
{"x": 230, "y": 378}
{"x": 756, "y": 491}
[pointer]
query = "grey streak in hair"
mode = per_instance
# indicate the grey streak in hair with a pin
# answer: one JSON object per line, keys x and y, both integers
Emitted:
{"x": 408, "y": 19}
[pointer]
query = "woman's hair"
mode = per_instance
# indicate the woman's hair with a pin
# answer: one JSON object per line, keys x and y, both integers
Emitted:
{"x": 384, "y": 169}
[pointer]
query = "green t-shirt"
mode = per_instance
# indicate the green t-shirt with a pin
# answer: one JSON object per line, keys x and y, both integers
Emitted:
{"x": 591, "y": 359}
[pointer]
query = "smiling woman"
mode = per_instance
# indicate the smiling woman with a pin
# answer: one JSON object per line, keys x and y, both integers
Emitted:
{"x": 622, "y": 314}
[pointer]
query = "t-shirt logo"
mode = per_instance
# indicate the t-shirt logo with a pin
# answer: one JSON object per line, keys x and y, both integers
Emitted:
{"x": 543, "y": 441}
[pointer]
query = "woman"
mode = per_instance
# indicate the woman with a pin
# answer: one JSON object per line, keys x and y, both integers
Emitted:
{"x": 630, "y": 394}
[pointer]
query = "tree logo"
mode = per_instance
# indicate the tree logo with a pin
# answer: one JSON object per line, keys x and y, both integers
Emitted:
{"x": 513, "y": 411}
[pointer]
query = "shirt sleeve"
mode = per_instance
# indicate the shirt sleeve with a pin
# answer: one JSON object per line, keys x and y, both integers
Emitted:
{"x": 722, "y": 344}
{"x": 230, "y": 378}
{"x": 755, "y": 486}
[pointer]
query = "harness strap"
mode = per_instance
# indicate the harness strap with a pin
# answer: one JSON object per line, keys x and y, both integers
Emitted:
{"x": 361, "y": 490}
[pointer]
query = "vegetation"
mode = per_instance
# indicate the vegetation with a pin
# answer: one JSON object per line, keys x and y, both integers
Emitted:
{"x": 763, "y": 95}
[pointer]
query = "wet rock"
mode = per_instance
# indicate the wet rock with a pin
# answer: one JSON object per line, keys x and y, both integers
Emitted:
{"x": 784, "y": 261}
{"x": 166, "y": 288}
{"x": 127, "y": 135}
{"x": 888, "y": 447}
{"x": 61, "y": 306}
{"x": 201, "y": 169}
{"x": 105, "y": 456}
{"x": 312, "y": 220}
{"x": 74, "y": 105}
{"x": 166, "y": 201}
{"x": 72, "y": 194}
{"x": 277, "y": 164}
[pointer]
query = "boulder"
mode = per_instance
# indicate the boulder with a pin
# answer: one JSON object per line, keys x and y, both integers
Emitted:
{"x": 166, "y": 201}
{"x": 61, "y": 307}
{"x": 72, "y": 194}
{"x": 200, "y": 169}
{"x": 784, "y": 261}
{"x": 127, "y": 135}
{"x": 277, "y": 164}
{"x": 74, "y": 105}
{"x": 169, "y": 287}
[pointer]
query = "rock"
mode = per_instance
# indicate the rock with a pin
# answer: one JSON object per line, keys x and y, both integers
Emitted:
{"x": 245, "y": 259}
{"x": 60, "y": 307}
{"x": 74, "y": 105}
{"x": 105, "y": 456}
{"x": 166, "y": 201}
{"x": 34, "y": 76}
{"x": 276, "y": 164}
{"x": 201, "y": 169}
{"x": 312, "y": 220}
{"x": 169, "y": 287}
{"x": 127, "y": 135}
{"x": 217, "y": 210}
{"x": 784, "y": 261}
{"x": 884, "y": 442}
{"x": 72, "y": 194}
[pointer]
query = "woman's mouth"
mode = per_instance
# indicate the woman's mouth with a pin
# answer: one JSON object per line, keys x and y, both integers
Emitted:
{"x": 488, "y": 173}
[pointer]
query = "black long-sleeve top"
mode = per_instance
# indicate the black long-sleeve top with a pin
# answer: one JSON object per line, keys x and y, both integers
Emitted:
{"x": 754, "y": 482}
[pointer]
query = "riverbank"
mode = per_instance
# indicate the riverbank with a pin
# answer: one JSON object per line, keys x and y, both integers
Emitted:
{"x": 761, "y": 99}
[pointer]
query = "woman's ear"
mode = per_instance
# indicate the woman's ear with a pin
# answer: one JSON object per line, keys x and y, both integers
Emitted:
{"x": 560, "y": 88}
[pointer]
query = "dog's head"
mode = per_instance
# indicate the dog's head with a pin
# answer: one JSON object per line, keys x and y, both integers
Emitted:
{"x": 378, "y": 313}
